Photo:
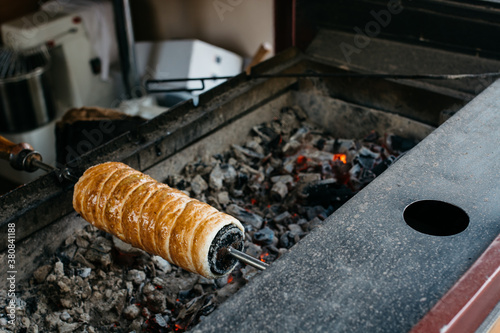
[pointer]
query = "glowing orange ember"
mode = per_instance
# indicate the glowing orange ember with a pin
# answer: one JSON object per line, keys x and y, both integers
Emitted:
{"x": 229, "y": 279}
{"x": 301, "y": 159}
{"x": 263, "y": 256}
{"x": 254, "y": 201}
{"x": 340, "y": 157}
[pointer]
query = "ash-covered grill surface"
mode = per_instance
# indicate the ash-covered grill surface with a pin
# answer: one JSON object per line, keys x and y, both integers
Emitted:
{"x": 282, "y": 183}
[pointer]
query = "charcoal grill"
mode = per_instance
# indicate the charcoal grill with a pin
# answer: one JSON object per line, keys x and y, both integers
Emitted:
{"x": 365, "y": 268}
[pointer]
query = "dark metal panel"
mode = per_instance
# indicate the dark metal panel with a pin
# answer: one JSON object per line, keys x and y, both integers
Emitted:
{"x": 463, "y": 26}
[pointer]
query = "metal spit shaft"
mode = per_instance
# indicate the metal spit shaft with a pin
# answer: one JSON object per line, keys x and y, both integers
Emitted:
{"x": 23, "y": 157}
{"x": 249, "y": 260}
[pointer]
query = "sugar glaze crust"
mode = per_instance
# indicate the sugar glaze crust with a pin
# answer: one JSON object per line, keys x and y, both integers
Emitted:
{"x": 150, "y": 215}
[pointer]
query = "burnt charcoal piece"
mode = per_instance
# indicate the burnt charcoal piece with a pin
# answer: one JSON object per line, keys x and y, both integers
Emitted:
{"x": 269, "y": 137}
{"x": 320, "y": 144}
{"x": 241, "y": 180}
{"x": 326, "y": 192}
{"x": 381, "y": 167}
{"x": 287, "y": 240}
{"x": 401, "y": 144}
{"x": 264, "y": 236}
{"x": 245, "y": 216}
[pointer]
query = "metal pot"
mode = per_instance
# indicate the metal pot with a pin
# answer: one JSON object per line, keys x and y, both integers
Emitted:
{"x": 26, "y": 102}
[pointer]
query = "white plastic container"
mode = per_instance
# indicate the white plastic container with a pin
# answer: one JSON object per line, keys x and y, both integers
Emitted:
{"x": 186, "y": 59}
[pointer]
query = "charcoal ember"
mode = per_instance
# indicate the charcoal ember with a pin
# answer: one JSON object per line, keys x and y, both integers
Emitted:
{"x": 314, "y": 211}
{"x": 252, "y": 249}
{"x": 65, "y": 316}
{"x": 136, "y": 325}
{"x": 295, "y": 228}
{"x": 254, "y": 175}
{"x": 400, "y": 144}
{"x": 156, "y": 301}
{"x": 268, "y": 171}
{"x": 148, "y": 289}
{"x": 309, "y": 177}
{"x": 191, "y": 310}
{"x": 131, "y": 312}
{"x": 241, "y": 180}
{"x": 228, "y": 290}
{"x": 313, "y": 223}
{"x": 315, "y": 157}
{"x": 162, "y": 320}
{"x": 123, "y": 247}
{"x": 64, "y": 284}
{"x": 239, "y": 150}
{"x": 176, "y": 181}
{"x": 263, "y": 236}
{"x": 279, "y": 191}
{"x": 302, "y": 135}
{"x": 82, "y": 242}
{"x": 221, "y": 175}
{"x": 366, "y": 158}
{"x": 222, "y": 281}
{"x": 216, "y": 178}
{"x": 223, "y": 198}
{"x": 291, "y": 147}
{"x": 180, "y": 281}
{"x": 289, "y": 166}
{"x": 288, "y": 239}
{"x": 341, "y": 146}
{"x": 68, "y": 327}
{"x": 162, "y": 264}
{"x": 255, "y": 146}
{"x": 189, "y": 171}
{"x": 266, "y": 134}
{"x": 282, "y": 252}
{"x": 95, "y": 256}
{"x": 249, "y": 272}
{"x": 229, "y": 174}
{"x": 245, "y": 216}
{"x": 102, "y": 244}
{"x": 158, "y": 281}
{"x": 383, "y": 165}
{"x": 281, "y": 218}
{"x": 41, "y": 273}
{"x": 198, "y": 185}
{"x": 59, "y": 269}
{"x": 326, "y": 191}
{"x": 136, "y": 276}
{"x": 209, "y": 305}
{"x": 285, "y": 179}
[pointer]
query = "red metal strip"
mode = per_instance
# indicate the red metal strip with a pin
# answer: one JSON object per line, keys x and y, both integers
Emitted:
{"x": 467, "y": 304}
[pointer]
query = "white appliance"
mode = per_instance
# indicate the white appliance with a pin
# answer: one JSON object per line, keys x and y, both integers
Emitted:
{"x": 187, "y": 58}
{"x": 73, "y": 75}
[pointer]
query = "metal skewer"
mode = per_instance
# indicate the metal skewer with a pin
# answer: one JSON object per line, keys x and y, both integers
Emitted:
{"x": 61, "y": 173}
{"x": 23, "y": 157}
{"x": 249, "y": 260}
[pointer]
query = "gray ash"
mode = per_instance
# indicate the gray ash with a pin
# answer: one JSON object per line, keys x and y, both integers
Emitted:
{"x": 283, "y": 182}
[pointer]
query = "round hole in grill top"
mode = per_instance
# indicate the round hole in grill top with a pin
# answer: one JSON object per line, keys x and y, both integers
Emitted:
{"x": 437, "y": 218}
